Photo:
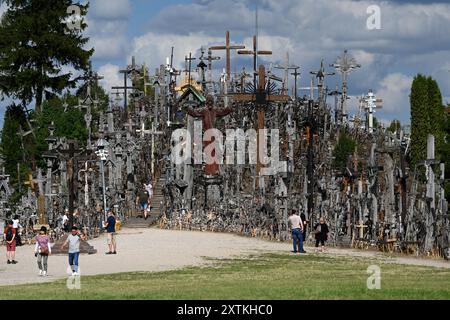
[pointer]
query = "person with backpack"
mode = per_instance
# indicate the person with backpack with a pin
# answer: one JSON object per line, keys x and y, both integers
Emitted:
{"x": 42, "y": 250}
{"x": 10, "y": 238}
{"x": 74, "y": 241}
{"x": 321, "y": 234}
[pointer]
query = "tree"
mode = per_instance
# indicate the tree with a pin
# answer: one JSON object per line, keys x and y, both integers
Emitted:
{"x": 395, "y": 126}
{"x": 344, "y": 148}
{"x": 35, "y": 45}
{"x": 436, "y": 113}
{"x": 420, "y": 119}
{"x": 69, "y": 124}
{"x": 427, "y": 117}
{"x": 13, "y": 145}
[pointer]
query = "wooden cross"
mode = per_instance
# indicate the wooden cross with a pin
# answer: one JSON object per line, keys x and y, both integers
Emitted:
{"x": 71, "y": 156}
{"x": 227, "y": 47}
{"x": 255, "y": 53}
{"x": 261, "y": 99}
{"x": 361, "y": 227}
{"x": 30, "y": 182}
{"x": 296, "y": 74}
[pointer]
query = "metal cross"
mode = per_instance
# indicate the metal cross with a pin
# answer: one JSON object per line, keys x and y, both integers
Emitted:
{"x": 286, "y": 67}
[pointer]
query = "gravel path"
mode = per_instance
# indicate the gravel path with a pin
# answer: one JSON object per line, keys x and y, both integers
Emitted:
{"x": 161, "y": 250}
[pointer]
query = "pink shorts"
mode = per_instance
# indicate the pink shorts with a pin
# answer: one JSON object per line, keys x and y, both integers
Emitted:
{"x": 11, "y": 246}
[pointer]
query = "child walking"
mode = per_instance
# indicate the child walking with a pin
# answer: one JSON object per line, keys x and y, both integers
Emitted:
{"x": 74, "y": 241}
{"x": 42, "y": 250}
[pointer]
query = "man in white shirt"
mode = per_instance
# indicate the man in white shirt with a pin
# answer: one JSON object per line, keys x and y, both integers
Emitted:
{"x": 297, "y": 229}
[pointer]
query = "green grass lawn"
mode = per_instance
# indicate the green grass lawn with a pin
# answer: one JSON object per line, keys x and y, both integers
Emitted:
{"x": 270, "y": 276}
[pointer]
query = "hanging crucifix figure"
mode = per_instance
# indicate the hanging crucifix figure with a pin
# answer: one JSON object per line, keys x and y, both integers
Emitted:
{"x": 209, "y": 114}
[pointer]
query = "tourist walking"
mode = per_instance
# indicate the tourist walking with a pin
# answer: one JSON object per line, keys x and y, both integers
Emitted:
{"x": 10, "y": 237}
{"x": 321, "y": 231}
{"x": 74, "y": 241}
{"x": 143, "y": 201}
{"x": 42, "y": 250}
{"x": 297, "y": 227}
{"x": 110, "y": 227}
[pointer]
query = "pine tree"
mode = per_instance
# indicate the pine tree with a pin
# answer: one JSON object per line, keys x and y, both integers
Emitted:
{"x": 35, "y": 43}
{"x": 436, "y": 113}
{"x": 420, "y": 119}
{"x": 13, "y": 146}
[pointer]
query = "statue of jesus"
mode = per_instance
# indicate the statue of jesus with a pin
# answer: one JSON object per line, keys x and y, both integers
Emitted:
{"x": 209, "y": 115}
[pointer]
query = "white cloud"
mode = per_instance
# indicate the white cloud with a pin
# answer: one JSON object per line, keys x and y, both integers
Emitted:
{"x": 394, "y": 89}
{"x": 153, "y": 48}
{"x": 107, "y": 36}
{"x": 111, "y": 9}
{"x": 111, "y": 76}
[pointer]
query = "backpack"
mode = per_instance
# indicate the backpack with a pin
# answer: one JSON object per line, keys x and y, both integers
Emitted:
{"x": 9, "y": 234}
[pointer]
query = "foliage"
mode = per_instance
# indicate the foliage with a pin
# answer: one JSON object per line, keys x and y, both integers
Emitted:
{"x": 13, "y": 153}
{"x": 344, "y": 148}
{"x": 35, "y": 45}
{"x": 427, "y": 115}
{"x": 395, "y": 126}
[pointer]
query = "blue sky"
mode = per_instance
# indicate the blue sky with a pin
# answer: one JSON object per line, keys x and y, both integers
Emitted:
{"x": 413, "y": 39}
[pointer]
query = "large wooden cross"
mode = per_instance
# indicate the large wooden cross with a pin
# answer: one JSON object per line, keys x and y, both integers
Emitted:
{"x": 71, "y": 156}
{"x": 261, "y": 98}
{"x": 255, "y": 53}
{"x": 227, "y": 47}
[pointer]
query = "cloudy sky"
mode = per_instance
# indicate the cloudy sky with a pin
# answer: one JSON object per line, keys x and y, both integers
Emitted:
{"x": 414, "y": 38}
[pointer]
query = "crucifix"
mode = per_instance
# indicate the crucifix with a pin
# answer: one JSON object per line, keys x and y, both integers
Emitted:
{"x": 228, "y": 47}
{"x": 286, "y": 67}
{"x": 345, "y": 64}
{"x": 261, "y": 98}
{"x": 209, "y": 114}
{"x": 320, "y": 75}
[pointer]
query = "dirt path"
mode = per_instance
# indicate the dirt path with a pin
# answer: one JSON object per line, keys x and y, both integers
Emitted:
{"x": 161, "y": 250}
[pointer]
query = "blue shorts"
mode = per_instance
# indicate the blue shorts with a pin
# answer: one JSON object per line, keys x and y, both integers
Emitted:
{"x": 144, "y": 206}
